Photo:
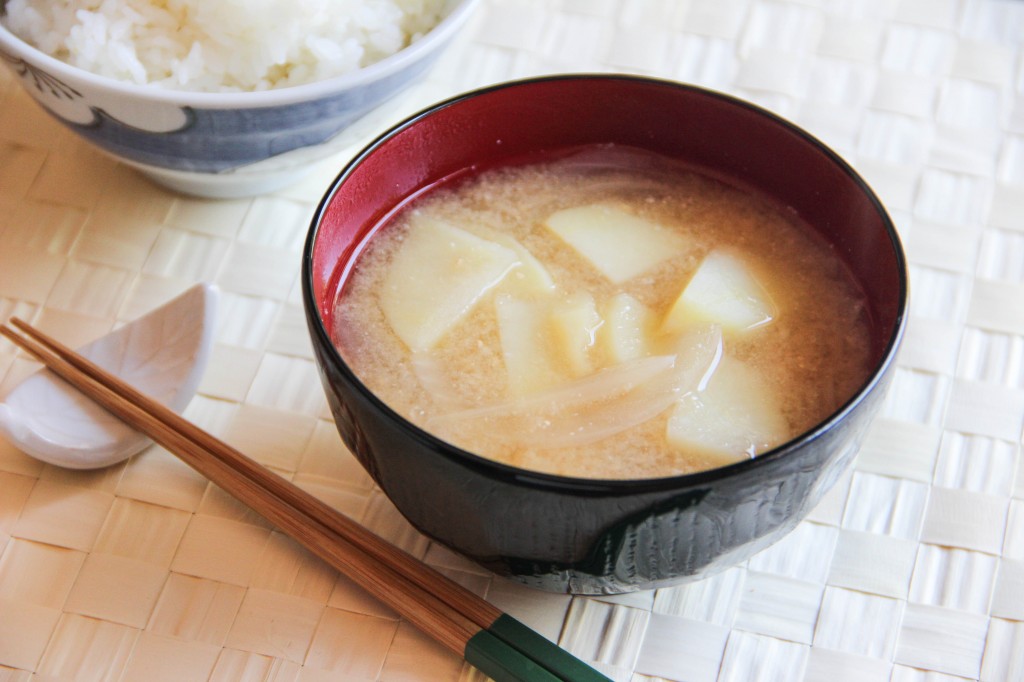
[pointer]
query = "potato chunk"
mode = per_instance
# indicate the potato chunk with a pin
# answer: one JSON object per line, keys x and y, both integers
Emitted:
{"x": 529, "y": 276}
{"x": 546, "y": 341}
{"x": 617, "y": 243}
{"x": 626, "y": 332}
{"x": 575, "y": 322}
{"x": 721, "y": 291}
{"x": 438, "y": 274}
{"x": 732, "y": 416}
{"x": 526, "y": 344}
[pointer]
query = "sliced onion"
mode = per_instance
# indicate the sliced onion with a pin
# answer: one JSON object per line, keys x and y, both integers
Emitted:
{"x": 602, "y": 404}
{"x": 601, "y": 385}
{"x": 432, "y": 378}
{"x": 697, "y": 359}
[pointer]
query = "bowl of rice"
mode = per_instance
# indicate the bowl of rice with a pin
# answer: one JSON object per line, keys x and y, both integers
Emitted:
{"x": 226, "y": 98}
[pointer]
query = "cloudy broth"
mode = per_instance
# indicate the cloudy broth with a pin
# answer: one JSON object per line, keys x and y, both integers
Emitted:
{"x": 604, "y": 314}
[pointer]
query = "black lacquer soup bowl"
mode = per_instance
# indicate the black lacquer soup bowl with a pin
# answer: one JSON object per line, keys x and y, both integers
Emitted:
{"x": 602, "y": 536}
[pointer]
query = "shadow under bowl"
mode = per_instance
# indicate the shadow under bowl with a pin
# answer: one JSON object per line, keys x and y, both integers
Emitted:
{"x": 579, "y": 535}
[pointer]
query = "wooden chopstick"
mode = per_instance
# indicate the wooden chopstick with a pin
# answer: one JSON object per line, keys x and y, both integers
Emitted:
{"x": 478, "y": 610}
{"x": 460, "y": 620}
{"x": 451, "y": 630}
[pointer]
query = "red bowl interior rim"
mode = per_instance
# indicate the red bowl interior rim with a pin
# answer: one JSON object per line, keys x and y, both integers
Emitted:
{"x": 718, "y": 133}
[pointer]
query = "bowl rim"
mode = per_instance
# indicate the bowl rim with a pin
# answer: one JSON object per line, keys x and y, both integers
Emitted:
{"x": 458, "y": 12}
{"x": 611, "y": 486}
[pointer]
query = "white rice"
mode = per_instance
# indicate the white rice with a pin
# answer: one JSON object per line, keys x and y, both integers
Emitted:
{"x": 221, "y": 45}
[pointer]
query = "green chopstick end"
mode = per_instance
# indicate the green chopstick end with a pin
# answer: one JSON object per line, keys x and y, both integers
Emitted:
{"x": 558, "y": 663}
{"x": 502, "y": 663}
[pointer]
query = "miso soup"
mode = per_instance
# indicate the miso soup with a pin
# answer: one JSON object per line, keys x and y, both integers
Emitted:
{"x": 604, "y": 313}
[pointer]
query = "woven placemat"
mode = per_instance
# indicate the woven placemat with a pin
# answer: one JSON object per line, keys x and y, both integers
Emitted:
{"x": 912, "y": 569}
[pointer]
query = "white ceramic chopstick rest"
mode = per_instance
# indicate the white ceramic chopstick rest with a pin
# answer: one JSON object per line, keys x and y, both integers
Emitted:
{"x": 163, "y": 354}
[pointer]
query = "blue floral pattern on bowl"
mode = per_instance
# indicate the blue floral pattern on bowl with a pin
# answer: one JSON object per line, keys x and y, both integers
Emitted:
{"x": 44, "y": 83}
{"x": 216, "y": 140}
{"x": 209, "y": 140}
{"x": 71, "y": 106}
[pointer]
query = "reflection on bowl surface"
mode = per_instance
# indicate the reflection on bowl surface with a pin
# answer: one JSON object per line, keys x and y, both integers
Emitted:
{"x": 575, "y": 534}
{"x": 212, "y": 143}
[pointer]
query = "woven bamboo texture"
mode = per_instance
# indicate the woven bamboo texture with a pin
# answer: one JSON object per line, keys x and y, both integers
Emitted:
{"x": 911, "y": 570}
